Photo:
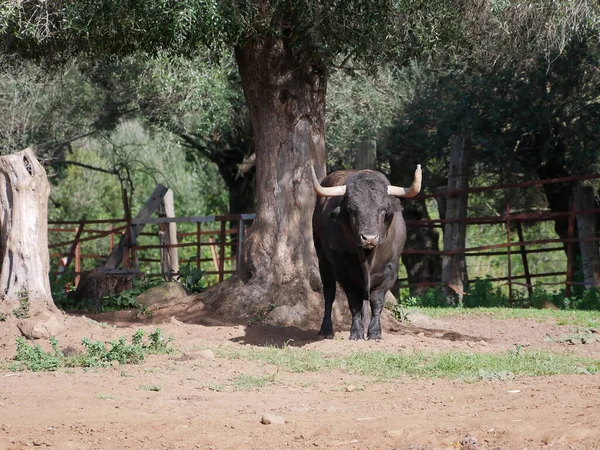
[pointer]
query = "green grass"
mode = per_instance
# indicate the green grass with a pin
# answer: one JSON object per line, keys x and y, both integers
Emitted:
{"x": 246, "y": 382}
{"x": 569, "y": 317}
{"x": 453, "y": 365}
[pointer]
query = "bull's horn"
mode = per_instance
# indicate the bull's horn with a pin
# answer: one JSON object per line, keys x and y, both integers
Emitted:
{"x": 335, "y": 191}
{"x": 411, "y": 191}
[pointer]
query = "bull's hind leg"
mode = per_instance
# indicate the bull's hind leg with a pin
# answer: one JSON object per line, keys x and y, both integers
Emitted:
{"x": 328, "y": 280}
{"x": 377, "y": 301}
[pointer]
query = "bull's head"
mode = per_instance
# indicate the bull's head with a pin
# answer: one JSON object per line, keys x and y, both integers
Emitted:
{"x": 367, "y": 202}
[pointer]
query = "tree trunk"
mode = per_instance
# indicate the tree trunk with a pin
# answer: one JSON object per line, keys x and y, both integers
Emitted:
{"x": 586, "y": 227}
{"x": 454, "y": 267}
{"x": 24, "y": 192}
{"x": 419, "y": 268}
{"x": 285, "y": 94}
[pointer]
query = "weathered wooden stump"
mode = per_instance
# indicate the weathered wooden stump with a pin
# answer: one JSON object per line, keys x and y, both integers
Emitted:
{"x": 97, "y": 283}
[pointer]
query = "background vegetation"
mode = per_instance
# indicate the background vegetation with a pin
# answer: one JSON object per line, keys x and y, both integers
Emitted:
{"x": 521, "y": 79}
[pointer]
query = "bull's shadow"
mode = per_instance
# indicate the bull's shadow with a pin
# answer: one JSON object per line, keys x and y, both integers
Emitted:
{"x": 269, "y": 335}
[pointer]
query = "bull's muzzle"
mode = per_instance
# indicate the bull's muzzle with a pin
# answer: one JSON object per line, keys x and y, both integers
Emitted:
{"x": 369, "y": 241}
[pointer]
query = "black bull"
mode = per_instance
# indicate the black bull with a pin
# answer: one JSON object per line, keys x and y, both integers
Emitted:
{"x": 359, "y": 234}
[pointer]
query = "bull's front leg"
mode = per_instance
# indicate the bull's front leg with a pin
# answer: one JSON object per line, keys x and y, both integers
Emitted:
{"x": 377, "y": 301}
{"x": 356, "y": 329}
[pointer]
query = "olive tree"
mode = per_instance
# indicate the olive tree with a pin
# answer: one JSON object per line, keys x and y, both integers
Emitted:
{"x": 285, "y": 51}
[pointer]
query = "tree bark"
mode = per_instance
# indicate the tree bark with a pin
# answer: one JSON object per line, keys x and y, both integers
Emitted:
{"x": 24, "y": 193}
{"x": 419, "y": 268}
{"x": 586, "y": 227}
{"x": 454, "y": 267}
{"x": 285, "y": 93}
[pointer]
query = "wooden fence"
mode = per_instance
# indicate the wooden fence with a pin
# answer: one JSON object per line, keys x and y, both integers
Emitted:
{"x": 217, "y": 247}
{"x": 519, "y": 246}
{"x": 211, "y": 233}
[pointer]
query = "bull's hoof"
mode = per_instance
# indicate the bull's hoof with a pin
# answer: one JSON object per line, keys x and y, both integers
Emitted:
{"x": 327, "y": 333}
{"x": 356, "y": 337}
{"x": 330, "y": 335}
{"x": 374, "y": 337}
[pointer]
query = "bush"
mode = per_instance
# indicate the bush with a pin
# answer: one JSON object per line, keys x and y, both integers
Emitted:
{"x": 482, "y": 294}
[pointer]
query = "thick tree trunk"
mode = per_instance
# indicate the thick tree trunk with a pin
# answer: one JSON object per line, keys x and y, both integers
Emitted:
{"x": 419, "y": 268}
{"x": 454, "y": 267}
{"x": 24, "y": 192}
{"x": 285, "y": 94}
{"x": 586, "y": 227}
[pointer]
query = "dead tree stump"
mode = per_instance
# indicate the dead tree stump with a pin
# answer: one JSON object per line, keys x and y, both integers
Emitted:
{"x": 24, "y": 192}
{"x": 95, "y": 284}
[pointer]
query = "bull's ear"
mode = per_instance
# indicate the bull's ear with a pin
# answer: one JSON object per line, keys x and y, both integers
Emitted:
{"x": 394, "y": 207}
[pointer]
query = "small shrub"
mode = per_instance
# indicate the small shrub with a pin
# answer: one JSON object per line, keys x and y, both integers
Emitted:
{"x": 482, "y": 294}
{"x": 34, "y": 358}
{"x": 96, "y": 354}
{"x": 190, "y": 277}
{"x": 589, "y": 300}
{"x": 22, "y": 312}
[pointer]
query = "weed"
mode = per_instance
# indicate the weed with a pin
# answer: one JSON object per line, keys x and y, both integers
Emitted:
{"x": 96, "y": 354}
{"x": 191, "y": 277}
{"x": 153, "y": 388}
{"x": 34, "y": 358}
{"x": 245, "y": 382}
{"x": 22, "y": 312}
{"x": 128, "y": 299}
{"x": 2, "y": 317}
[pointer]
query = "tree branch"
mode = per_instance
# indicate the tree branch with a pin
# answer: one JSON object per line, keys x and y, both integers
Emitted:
{"x": 85, "y": 166}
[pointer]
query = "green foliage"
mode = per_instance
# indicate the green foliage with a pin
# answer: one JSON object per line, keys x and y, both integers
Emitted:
{"x": 96, "y": 354}
{"x": 191, "y": 277}
{"x": 34, "y": 358}
{"x": 431, "y": 298}
{"x": 127, "y": 299}
{"x": 482, "y": 294}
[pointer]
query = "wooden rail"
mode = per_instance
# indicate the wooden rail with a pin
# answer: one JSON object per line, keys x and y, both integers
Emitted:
{"x": 217, "y": 247}
{"x": 224, "y": 242}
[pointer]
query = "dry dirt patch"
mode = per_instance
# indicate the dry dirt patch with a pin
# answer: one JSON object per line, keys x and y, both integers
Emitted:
{"x": 183, "y": 403}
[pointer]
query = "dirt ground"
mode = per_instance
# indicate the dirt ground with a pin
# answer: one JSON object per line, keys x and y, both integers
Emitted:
{"x": 173, "y": 402}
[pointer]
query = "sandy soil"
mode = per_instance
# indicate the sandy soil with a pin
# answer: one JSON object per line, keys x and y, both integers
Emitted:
{"x": 196, "y": 405}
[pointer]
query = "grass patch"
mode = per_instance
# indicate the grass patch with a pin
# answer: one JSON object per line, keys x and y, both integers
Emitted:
{"x": 453, "y": 365}
{"x": 152, "y": 388}
{"x": 36, "y": 359}
{"x": 246, "y": 382}
{"x": 581, "y": 318}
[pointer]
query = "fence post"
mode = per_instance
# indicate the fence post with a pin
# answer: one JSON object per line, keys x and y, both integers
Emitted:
{"x": 222, "y": 243}
{"x": 241, "y": 231}
{"x": 509, "y": 262}
{"x": 570, "y": 250}
{"x": 169, "y": 260}
{"x": 524, "y": 257}
{"x": 198, "y": 246}
{"x": 77, "y": 262}
{"x": 74, "y": 250}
